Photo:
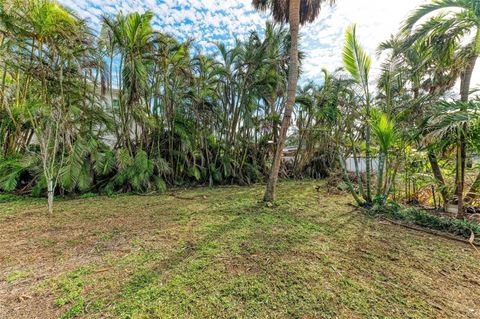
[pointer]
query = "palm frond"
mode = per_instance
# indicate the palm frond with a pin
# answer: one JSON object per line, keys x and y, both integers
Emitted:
{"x": 309, "y": 9}
{"x": 384, "y": 130}
{"x": 435, "y": 6}
{"x": 450, "y": 117}
{"x": 355, "y": 59}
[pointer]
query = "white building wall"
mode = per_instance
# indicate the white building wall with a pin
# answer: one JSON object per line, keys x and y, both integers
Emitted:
{"x": 362, "y": 164}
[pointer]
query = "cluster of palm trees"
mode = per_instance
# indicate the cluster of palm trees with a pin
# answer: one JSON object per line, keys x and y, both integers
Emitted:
{"x": 436, "y": 48}
{"x": 444, "y": 49}
{"x": 133, "y": 109}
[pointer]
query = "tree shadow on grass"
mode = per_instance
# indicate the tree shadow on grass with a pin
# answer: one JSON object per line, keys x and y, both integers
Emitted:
{"x": 252, "y": 238}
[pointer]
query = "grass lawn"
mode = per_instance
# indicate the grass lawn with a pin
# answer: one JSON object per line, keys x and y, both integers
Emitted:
{"x": 218, "y": 253}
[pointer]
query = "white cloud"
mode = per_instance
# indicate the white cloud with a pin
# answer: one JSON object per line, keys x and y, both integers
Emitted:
{"x": 375, "y": 21}
{"x": 215, "y": 20}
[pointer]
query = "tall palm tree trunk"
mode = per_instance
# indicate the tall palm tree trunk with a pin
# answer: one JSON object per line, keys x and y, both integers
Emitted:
{"x": 461, "y": 148}
{"x": 294, "y": 20}
{"x": 368, "y": 158}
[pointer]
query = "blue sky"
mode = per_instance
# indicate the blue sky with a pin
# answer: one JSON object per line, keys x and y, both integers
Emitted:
{"x": 222, "y": 20}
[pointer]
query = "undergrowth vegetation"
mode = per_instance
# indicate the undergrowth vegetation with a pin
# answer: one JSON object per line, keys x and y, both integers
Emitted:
{"x": 129, "y": 108}
{"x": 416, "y": 216}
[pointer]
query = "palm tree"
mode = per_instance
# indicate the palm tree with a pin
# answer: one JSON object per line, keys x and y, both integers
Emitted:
{"x": 462, "y": 19}
{"x": 357, "y": 63}
{"x": 178, "y": 118}
{"x": 463, "y": 22}
{"x": 49, "y": 55}
{"x": 296, "y": 13}
{"x": 384, "y": 131}
{"x": 132, "y": 37}
{"x": 318, "y": 114}
{"x": 421, "y": 71}
{"x": 274, "y": 84}
{"x": 444, "y": 123}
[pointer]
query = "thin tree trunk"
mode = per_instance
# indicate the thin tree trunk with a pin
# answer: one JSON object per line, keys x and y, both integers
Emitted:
{"x": 437, "y": 173}
{"x": 357, "y": 170}
{"x": 347, "y": 180}
{"x": 274, "y": 124}
{"x": 381, "y": 165}
{"x": 50, "y": 191}
{"x": 390, "y": 182}
{"x": 368, "y": 163}
{"x": 461, "y": 148}
{"x": 472, "y": 193}
{"x": 294, "y": 20}
{"x": 300, "y": 144}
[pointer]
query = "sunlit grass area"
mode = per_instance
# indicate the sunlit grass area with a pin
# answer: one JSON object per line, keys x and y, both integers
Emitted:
{"x": 220, "y": 253}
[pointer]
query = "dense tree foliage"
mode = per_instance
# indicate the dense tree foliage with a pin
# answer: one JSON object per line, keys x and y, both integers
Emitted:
{"x": 132, "y": 109}
{"x": 295, "y": 13}
{"x": 129, "y": 108}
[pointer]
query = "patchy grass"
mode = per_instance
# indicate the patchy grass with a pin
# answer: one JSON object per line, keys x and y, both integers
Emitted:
{"x": 18, "y": 275}
{"x": 219, "y": 253}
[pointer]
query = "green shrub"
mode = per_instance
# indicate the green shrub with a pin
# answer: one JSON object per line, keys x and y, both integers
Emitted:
{"x": 411, "y": 215}
{"x": 88, "y": 195}
{"x": 4, "y": 198}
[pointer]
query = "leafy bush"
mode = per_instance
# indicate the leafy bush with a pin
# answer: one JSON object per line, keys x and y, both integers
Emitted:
{"x": 88, "y": 195}
{"x": 12, "y": 169}
{"x": 459, "y": 227}
{"x": 5, "y": 198}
